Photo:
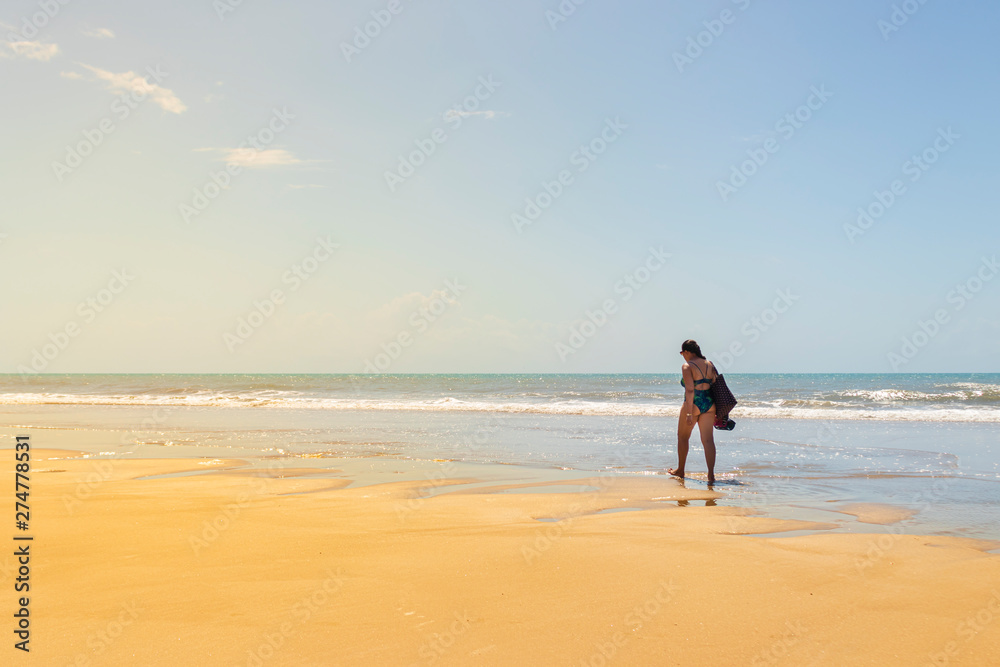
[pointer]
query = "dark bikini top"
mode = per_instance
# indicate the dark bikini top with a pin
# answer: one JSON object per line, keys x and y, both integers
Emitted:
{"x": 704, "y": 378}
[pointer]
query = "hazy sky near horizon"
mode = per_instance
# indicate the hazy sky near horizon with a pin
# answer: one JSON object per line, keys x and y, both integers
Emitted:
{"x": 698, "y": 168}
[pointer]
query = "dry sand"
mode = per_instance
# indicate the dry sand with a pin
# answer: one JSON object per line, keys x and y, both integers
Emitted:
{"x": 291, "y": 568}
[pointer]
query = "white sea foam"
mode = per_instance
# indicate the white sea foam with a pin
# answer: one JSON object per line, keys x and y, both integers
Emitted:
{"x": 776, "y": 409}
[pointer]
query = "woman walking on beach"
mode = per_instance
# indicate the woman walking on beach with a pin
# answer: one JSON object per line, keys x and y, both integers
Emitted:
{"x": 699, "y": 407}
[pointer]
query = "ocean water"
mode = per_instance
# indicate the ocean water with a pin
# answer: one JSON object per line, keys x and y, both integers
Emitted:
{"x": 804, "y": 443}
{"x": 884, "y": 397}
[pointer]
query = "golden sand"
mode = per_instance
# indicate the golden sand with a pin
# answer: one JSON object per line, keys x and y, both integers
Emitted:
{"x": 289, "y": 567}
{"x": 876, "y": 513}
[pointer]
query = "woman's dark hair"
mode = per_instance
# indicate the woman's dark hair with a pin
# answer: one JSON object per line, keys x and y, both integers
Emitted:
{"x": 692, "y": 347}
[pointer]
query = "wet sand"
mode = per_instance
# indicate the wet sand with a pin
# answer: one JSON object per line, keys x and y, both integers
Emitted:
{"x": 291, "y": 566}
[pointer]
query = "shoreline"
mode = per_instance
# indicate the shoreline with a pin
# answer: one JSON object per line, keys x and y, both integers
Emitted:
{"x": 947, "y": 504}
{"x": 249, "y": 566}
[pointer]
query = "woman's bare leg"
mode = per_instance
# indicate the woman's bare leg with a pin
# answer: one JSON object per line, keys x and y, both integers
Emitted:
{"x": 683, "y": 442}
{"x": 706, "y": 422}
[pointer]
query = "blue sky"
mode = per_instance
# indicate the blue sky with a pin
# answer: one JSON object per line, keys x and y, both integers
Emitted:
{"x": 329, "y": 126}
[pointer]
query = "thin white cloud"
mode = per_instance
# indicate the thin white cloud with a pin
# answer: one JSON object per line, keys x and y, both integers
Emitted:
{"x": 488, "y": 115}
{"x": 100, "y": 33}
{"x": 32, "y": 50}
{"x": 130, "y": 82}
{"x": 71, "y": 75}
{"x": 249, "y": 157}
